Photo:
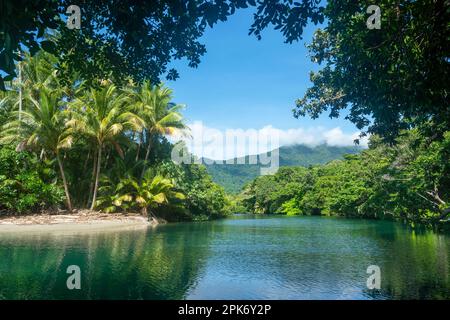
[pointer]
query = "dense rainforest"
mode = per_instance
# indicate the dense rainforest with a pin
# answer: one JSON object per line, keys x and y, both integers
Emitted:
{"x": 92, "y": 131}
{"x": 99, "y": 147}
{"x": 409, "y": 181}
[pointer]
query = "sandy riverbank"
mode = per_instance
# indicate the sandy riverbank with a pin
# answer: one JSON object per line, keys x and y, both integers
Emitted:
{"x": 80, "y": 221}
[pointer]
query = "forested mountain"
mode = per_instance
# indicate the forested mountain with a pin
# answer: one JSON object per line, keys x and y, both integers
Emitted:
{"x": 234, "y": 176}
{"x": 407, "y": 181}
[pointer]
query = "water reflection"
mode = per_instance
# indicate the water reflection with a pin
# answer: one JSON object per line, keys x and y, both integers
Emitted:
{"x": 146, "y": 264}
{"x": 241, "y": 258}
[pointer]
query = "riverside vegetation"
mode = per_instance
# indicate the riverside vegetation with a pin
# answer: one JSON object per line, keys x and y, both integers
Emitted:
{"x": 93, "y": 128}
{"x": 409, "y": 181}
{"x": 105, "y": 148}
{"x": 102, "y": 147}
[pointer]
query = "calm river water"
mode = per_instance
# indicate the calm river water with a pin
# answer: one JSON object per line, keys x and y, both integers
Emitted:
{"x": 244, "y": 257}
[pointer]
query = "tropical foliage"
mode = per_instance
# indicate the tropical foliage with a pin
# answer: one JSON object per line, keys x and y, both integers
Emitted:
{"x": 27, "y": 183}
{"x": 107, "y": 143}
{"x": 91, "y": 116}
{"x": 408, "y": 181}
{"x": 151, "y": 191}
{"x": 388, "y": 79}
{"x": 141, "y": 37}
{"x": 42, "y": 126}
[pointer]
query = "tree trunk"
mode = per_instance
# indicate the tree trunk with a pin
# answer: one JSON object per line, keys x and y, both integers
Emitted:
{"x": 84, "y": 170}
{"x": 146, "y": 158}
{"x": 141, "y": 137}
{"x": 91, "y": 183}
{"x": 137, "y": 151}
{"x": 86, "y": 161}
{"x": 66, "y": 187}
{"x": 97, "y": 176}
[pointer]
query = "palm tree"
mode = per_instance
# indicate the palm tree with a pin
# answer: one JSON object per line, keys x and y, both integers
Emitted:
{"x": 6, "y": 106}
{"x": 111, "y": 192}
{"x": 101, "y": 115}
{"x": 42, "y": 125}
{"x": 35, "y": 74}
{"x": 38, "y": 72}
{"x": 152, "y": 191}
{"x": 160, "y": 117}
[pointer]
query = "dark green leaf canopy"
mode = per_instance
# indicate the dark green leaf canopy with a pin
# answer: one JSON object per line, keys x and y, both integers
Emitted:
{"x": 390, "y": 79}
{"x": 133, "y": 38}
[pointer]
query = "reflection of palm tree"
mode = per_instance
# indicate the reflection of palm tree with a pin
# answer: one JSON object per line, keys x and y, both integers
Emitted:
{"x": 42, "y": 125}
{"x": 147, "y": 264}
{"x": 101, "y": 116}
{"x": 29, "y": 275}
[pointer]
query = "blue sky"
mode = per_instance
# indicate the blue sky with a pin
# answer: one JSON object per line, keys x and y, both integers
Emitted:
{"x": 245, "y": 83}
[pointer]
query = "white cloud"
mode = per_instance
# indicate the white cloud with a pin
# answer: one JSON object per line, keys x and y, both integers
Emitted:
{"x": 218, "y": 144}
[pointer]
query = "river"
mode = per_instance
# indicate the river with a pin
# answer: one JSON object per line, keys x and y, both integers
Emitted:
{"x": 243, "y": 257}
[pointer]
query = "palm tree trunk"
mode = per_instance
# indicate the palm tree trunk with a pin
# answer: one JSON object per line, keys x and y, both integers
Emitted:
{"x": 91, "y": 183}
{"x": 108, "y": 154}
{"x": 137, "y": 151}
{"x": 147, "y": 154}
{"x": 87, "y": 160}
{"x": 66, "y": 187}
{"x": 85, "y": 166}
{"x": 139, "y": 146}
{"x": 97, "y": 175}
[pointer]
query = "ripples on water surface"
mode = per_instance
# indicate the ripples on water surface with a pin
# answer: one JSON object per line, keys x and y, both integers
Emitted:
{"x": 245, "y": 257}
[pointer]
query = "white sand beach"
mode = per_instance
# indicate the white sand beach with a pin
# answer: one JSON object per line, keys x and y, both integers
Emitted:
{"x": 81, "y": 221}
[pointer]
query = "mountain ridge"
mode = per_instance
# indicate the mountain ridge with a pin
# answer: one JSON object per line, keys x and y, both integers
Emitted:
{"x": 234, "y": 176}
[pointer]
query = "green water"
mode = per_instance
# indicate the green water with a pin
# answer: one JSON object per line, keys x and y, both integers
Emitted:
{"x": 243, "y": 257}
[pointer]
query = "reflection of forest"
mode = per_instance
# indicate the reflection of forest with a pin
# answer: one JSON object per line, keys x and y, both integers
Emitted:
{"x": 416, "y": 262}
{"x": 282, "y": 258}
{"x": 324, "y": 258}
{"x": 150, "y": 264}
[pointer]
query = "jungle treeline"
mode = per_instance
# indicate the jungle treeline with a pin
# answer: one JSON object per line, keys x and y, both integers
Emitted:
{"x": 408, "y": 180}
{"x": 102, "y": 146}
{"x": 88, "y": 129}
